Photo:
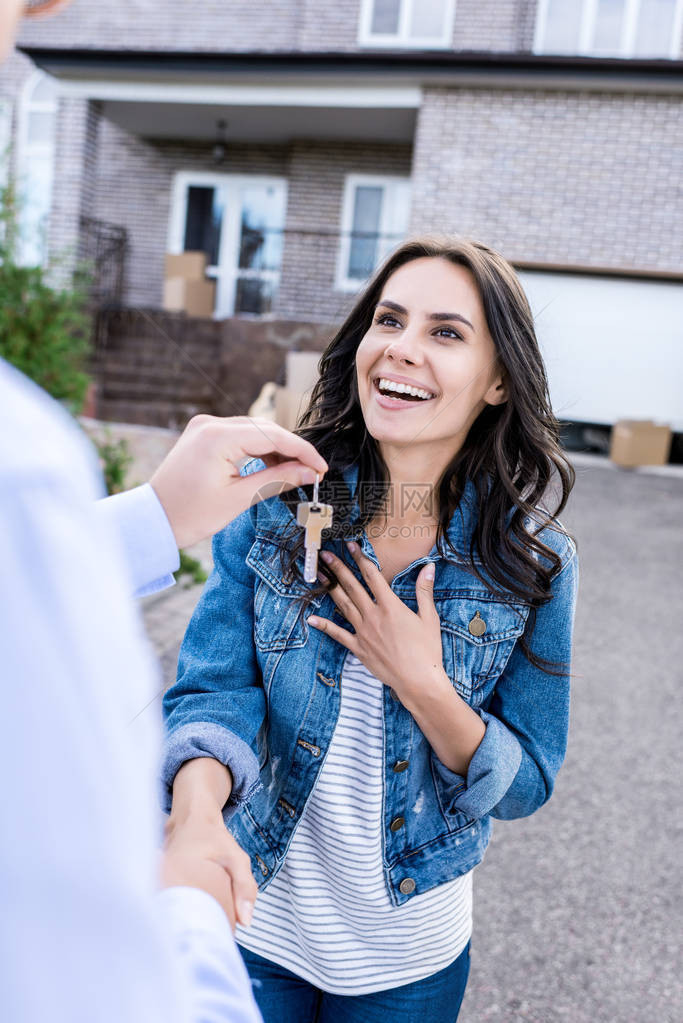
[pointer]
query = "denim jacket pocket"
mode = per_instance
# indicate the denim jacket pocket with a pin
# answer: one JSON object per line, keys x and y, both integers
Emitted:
{"x": 478, "y": 634}
{"x": 278, "y": 605}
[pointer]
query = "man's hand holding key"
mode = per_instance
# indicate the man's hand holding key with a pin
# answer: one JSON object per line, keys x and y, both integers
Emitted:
{"x": 199, "y": 483}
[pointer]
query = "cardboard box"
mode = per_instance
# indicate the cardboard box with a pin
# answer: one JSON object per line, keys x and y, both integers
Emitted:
{"x": 301, "y": 370}
{"x": 639, "y": 442}
{"x": 289, "y": 405}
{"x": 191, "y": 265}
{"x": 196, "y": 298}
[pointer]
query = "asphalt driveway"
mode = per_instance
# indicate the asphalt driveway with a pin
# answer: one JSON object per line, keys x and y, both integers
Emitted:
{"x": 578, "y": 909}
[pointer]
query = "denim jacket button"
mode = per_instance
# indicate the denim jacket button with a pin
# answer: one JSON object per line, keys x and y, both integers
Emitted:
{"x": 400, "y": 765}
{"x": 477, "y": 626}
{"x": 407, "y": 886}
{"x": 397, "y": 823}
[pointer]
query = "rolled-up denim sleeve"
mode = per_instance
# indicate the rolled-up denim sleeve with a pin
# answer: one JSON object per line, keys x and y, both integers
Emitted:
{"x": 217, "y": 705}
{"x": 513, "y": 770}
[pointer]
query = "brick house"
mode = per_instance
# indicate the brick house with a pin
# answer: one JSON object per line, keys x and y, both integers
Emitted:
{"x": 298, "y": 142}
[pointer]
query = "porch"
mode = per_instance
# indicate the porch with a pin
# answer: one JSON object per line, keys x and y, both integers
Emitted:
{"x": 294, "y": 178}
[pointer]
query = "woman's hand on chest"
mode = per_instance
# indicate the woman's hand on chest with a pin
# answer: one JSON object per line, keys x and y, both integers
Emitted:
{"x": 403, "y": 650}
{"x": 399, "y": 647}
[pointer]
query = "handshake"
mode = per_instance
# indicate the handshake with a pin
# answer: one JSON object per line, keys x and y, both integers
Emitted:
{"x": 201, "y": 490}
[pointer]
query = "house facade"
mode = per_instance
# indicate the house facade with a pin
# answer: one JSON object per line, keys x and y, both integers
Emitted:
{"x": 297, "y": 142}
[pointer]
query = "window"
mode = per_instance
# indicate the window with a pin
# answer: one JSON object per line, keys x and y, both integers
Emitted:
{"x": 238, "y": 222}
{"x": 37, "y": 117}
{"x": 610, "y": 28}
{"x": 426, "y": 24}
{"x": 5, "y": 138}
{"x": 375, "y": 213}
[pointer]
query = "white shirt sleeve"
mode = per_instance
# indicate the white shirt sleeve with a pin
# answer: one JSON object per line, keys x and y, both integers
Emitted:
{"x": 207, "y": 950}
{"x": 84, "y": 935}
{"x": 148, "y": 541}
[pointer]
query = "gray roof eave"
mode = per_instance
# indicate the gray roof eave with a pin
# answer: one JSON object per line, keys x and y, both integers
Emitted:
{"x": 434, "y": 67}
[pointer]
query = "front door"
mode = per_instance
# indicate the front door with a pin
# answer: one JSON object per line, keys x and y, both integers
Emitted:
{"x": 238, "y": 222}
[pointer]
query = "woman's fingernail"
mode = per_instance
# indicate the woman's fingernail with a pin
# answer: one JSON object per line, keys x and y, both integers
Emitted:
{"x": 245, "y": 911}
{"x": 352, "y": 545}
{"x": 429, "y": 570}
{"x": 327, "y": 557}
{"x": 312, "y": 620}
{"x": 308, "y": 476}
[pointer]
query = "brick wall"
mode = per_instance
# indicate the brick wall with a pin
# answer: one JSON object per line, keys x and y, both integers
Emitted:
{"x": 74, "y": 188}
{"x": 229, "y": 25}
{"x": 239, "y": 25}
{"x": 479, "y": 25}
{"x": 326, "y": 25}
{"x": 501, "y": 26}
{"x": 316, "y": 175}
{"x": 554, "y": 177}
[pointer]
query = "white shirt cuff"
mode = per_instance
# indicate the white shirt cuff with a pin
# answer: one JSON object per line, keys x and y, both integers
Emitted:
{"x": 188, "y": 910}
{"x": 216, "y": 979}
{"x": 151, "y": 552}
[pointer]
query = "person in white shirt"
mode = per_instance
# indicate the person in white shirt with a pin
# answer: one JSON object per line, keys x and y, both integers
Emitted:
{"x": 83, "y": 933}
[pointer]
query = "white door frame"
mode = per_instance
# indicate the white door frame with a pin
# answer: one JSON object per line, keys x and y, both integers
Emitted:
{"x": 226, "y": 271}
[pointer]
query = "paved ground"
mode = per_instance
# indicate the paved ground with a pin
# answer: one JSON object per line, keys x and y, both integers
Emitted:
{"x": 578, "y": 909}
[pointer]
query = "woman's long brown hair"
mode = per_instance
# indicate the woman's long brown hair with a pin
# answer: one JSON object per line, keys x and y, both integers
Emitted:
{"x": 512, "y": 455}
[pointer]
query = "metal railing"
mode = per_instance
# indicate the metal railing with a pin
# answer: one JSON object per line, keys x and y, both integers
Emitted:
{"x": 103, "y": 251}
{"x": 296, "y": 270}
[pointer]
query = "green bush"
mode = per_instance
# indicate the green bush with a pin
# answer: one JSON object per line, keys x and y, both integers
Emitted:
{"x": 115, "y": 461}
{"x": 192, "y": 567}
{"x": 44, "y": 332}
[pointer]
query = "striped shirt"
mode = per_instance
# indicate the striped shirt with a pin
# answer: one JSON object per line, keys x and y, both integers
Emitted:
{"x": 326, "y": 915}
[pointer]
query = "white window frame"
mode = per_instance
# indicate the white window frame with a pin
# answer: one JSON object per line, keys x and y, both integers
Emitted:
{"x": 628, "y": 33}
{"x": 30, "y": 152}
{"x": 225, "y": 273}
{"x": 351, "y": 183}
{"x": 5, "y": 140}
{"x": 402, "y": 38}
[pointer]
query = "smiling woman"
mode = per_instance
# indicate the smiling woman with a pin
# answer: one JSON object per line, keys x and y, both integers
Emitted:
{"x": 454, "y": 369}
{"x": 450, "y": 319}
{"x": 359, "y": 735}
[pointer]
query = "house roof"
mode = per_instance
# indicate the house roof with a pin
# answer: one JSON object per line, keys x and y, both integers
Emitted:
{"x": 520, "y": 70}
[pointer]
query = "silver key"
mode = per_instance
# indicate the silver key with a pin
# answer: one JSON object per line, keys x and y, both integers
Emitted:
{"x": 314, "y": 517}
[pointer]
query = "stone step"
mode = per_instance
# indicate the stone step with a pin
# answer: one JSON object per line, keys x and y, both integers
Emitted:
{"x": 171, "y": 414}
{"x": 117, "y": 368}
{"x": 128, "y": 385}
{"x": 153, "y": 323}
{"x": 148, "y": 349}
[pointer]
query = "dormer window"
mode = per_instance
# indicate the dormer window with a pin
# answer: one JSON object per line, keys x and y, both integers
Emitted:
{"x": 610, "y": 28}
{"x": 418, "y": 24}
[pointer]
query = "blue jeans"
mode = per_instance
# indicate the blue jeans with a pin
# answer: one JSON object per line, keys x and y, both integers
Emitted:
{"x": 283, "y": 997}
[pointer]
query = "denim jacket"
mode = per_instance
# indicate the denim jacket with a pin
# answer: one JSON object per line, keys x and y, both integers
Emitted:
{"x": 259, "y": 690}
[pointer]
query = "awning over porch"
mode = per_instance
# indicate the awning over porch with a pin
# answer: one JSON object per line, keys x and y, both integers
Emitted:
{"x": 276, "y": 97}
{"x": 170, "y": 95}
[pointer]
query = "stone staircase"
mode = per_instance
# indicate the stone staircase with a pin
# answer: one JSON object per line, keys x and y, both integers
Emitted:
{"x": 158, "y": 368}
